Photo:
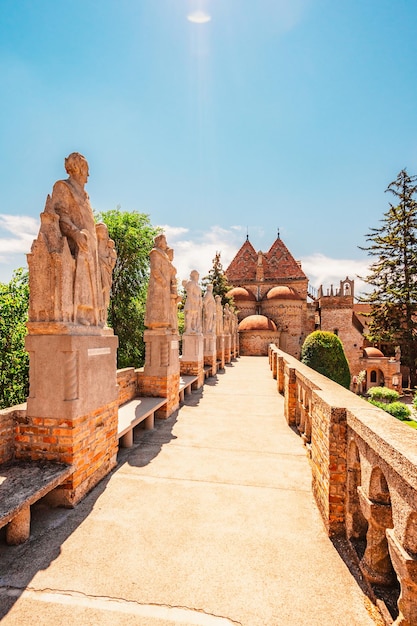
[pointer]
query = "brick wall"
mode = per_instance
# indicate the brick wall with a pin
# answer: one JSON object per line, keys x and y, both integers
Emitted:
{"x": 88, "y": 442}
{"x": 10, "y": 418}
{"x": 127, "y": 382}
{"x": 161, "y": 387}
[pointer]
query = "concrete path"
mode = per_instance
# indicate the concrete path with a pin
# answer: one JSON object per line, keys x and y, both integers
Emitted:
{"x": 209, "y": 520}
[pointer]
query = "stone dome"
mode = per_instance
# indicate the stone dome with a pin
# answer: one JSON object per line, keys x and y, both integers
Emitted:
{"x": 282, "y": 292}
{"x": 372, "y": 353}
{"x": 257, "y": 322}
{"x": 240, "y": 293}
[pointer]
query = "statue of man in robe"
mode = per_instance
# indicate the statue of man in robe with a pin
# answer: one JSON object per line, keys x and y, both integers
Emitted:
{"x": 209, "y": 311}
{"x": 193, "y": 304}
{"x": 158, "y": 302}
{"x": 219, "y": 315}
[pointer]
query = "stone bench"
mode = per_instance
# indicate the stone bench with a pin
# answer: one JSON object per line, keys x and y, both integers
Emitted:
{"x": 22, "y": 483}
{"x": 208, "y": 371}
{"x": 133, "y": 413}
{"x": 186, "y": 385}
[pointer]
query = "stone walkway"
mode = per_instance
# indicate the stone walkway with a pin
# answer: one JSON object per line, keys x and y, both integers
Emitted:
{"x": 209, "y": 520}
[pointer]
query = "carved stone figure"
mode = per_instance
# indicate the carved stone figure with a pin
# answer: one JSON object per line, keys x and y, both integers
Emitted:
{"x": 175, "y": 298}
{"x": 193, "y": 304}
{"x": 65, "y": 275}
{"x": 227, "y": 321}
{"x": 209, "y": 311}
{"x": 107, "y": 260}
{"x": 219, "y": 315}
{"x": 158, "y": 302}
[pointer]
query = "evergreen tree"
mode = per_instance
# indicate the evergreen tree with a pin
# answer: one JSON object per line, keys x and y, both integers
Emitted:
{"x": 393, "y": 273}
{"x": 133, "y": 235}
{"x": 323, "y": 351}
{"x": 217, "y": 278}
{"x": 14, "y": 360}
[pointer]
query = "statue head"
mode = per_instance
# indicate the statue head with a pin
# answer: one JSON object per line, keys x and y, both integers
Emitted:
{"x": 194, "y": 275}
{"x": 76, "y": 167}
{"x": 210, "y": 287}
{"x": 102, "y": 231}
{"x": 161, "y": 242}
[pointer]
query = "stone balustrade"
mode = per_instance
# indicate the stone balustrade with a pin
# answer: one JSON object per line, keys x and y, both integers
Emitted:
{"x": 364, "y": 474}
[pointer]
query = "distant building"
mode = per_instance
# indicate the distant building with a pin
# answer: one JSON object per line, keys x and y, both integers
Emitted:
{"x": 276, "y": 305}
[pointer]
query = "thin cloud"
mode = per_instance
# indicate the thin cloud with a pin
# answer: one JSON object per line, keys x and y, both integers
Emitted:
{"x": 23, "y": 230}
{"x": 325, "y": 271}
{"x": 196, "y": 250}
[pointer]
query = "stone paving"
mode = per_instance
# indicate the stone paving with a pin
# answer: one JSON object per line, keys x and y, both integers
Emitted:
{"x": 208, "y": 520}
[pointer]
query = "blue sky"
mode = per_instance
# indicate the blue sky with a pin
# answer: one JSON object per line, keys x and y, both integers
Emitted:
{"x": 289, "y": 114}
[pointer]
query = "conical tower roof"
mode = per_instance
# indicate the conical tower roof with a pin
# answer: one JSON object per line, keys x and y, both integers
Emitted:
{"x": 277, "y": 264}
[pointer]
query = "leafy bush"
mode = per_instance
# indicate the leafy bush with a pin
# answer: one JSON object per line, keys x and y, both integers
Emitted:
{"x": 14, "y": 360}
{"x": 323, "y": 352}
{"x": 384, "y": 394}
{"x": 396, "y": 409}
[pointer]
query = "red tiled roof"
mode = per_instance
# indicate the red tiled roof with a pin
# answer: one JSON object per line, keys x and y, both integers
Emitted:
{"x": 278, "y": 264}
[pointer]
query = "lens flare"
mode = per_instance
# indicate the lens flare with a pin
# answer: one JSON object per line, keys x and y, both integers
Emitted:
{"x": 199, "y": 17}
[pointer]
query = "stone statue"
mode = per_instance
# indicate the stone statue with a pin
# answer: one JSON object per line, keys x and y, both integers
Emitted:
{"x": 158, "y": 302}
{"x": 175, "y": 298}
{"x": 193, "y": 304}
{"x": 219, "y": 315}
{"x": 64, "y": 268}
{"x": 107, "y": 260}
{"x": 227, "y": 314}
{"x": 209, "y": 311}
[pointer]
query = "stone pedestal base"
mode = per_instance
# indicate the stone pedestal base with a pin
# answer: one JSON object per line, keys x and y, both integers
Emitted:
{"x": 161, "y": 373}
{"x": 227, "y": 349}
{"x": 192, "y": 360}
{"x": 220, "y": 352}
{"x": 210, "y": 353}
{"x": 71, "y": 409}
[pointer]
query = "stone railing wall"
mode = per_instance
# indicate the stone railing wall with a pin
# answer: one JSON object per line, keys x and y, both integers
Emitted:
{"x": 364, "y": 474}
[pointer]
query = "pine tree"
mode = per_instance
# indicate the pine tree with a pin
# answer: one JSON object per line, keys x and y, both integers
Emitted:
{"x": 217, "y": 277}
{"x": 393, "y": 274}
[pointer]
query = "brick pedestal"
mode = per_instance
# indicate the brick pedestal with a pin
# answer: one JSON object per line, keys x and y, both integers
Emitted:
{"x": 72, "y": 407}
{"x": 161, "y": 373}
{"x": 192, "y": 360}
{"x": 227, "y": 348}
{"x": 220, "y": 351}
{"x": 210, "y": 353}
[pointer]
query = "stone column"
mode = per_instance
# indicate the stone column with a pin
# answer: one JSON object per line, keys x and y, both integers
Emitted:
{"x": 406, "y": 569}
{"x": 376, "y": 564}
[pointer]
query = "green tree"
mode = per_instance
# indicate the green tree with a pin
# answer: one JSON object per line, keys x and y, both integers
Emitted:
{"x": 133, "y": 235}
{"x": 14, "y": 360}
{"x": 393, "y": 273}
{"x": 217, "y": 277}
{"x": 323, "y": 351}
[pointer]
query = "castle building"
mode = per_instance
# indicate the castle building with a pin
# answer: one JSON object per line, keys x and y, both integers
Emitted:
{"x": 276, "y": 305}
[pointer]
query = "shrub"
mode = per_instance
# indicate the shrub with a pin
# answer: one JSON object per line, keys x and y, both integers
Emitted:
{"x": 398, "y": 410}
{"x": 384, "y": 394}
{"x": 323, "y": 352}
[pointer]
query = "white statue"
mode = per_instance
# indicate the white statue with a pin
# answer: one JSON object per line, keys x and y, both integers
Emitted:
{"x": 209, "y": 311}
{"x": 193, "y": 304}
